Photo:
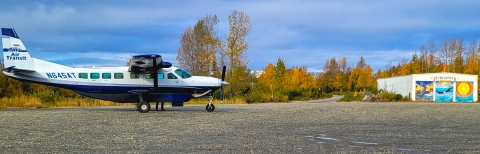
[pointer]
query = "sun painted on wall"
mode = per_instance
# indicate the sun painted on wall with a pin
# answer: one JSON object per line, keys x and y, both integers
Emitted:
{"x": 464, "y": 91}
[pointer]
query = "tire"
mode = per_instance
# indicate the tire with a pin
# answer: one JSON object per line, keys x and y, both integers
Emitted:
{"x": 210, "y": 108}
{"x": 143, "y": 107}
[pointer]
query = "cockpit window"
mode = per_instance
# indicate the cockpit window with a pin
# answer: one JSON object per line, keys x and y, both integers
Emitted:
{"x": 182, "y": 73}
{"x": 171, "y": 76}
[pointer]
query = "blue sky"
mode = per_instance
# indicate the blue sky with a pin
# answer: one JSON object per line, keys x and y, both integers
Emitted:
{"x": 304, "y": 33}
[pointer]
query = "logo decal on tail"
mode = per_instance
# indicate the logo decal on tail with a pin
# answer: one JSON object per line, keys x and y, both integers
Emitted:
{"x": 15, "y": 54}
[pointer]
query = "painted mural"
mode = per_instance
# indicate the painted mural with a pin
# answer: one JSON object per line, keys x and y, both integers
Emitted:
{"x": 443, "y": 91}
{"x": 423, "y": 90}
{"x": 464, "y": 91}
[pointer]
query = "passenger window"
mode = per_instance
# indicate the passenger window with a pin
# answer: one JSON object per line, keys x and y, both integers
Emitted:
{"x": 171, "y": 76}
{"x": 134, "y": 76}
{"x": 148, "y": 76}
{"x": 118, "y": 75}
{"x": 83, "y": 75}
{"x": 159, "y": 75}
{"x": 106, "y": 75}
{"x": 94, "y": 75}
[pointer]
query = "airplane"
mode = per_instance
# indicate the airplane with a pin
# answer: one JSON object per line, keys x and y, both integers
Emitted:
{"x": 148, "y": 78}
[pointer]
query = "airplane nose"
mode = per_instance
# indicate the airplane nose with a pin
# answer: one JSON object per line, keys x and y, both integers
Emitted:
{"x": 224, "y": 83}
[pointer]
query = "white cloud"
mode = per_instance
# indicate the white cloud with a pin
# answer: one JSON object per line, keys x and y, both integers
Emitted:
{"x": 304, "y": 33}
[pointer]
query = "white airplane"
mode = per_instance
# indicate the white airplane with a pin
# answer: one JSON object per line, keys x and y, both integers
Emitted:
{"x": 147, "y": 79}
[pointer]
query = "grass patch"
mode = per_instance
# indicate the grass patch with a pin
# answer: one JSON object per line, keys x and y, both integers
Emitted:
{"x": 216, "y": 101}
{"x": 33, "y": 101}
{"x": 30, "y": 101}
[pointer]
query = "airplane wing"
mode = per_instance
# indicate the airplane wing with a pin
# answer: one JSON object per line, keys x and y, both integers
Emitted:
{"x": 145, "y": 63}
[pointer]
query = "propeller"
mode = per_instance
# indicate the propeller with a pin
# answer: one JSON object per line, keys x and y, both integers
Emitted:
{"x": 221, "y": 86}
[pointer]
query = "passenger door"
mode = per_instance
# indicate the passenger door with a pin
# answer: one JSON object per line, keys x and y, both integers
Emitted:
{"x": 161, "y": 79}
{"x": 173, "y": 80}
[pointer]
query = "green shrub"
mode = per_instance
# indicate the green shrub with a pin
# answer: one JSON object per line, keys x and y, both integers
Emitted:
{"x": 294, "y": 95}
{"x": 47, "y": 96}
{"x": 359, "y": 97}
{"x": 348, "y": 97}
{"x": 406, "y": 98}
{"x": 387, "y": 96}
{"x": 398, "y": 97}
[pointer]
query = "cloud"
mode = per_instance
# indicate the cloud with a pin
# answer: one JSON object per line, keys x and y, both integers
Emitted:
{"x": 304, "y": 33}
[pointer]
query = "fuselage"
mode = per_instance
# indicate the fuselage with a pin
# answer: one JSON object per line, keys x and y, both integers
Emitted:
{"x": 117, "y": 80}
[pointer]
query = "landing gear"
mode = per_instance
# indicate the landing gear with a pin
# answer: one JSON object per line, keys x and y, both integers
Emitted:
{"x": 143, "y": 106}
{"x": 210, "y": 107}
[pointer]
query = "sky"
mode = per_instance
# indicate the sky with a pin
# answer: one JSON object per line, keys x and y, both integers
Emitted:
{"x": 303, "y": 33}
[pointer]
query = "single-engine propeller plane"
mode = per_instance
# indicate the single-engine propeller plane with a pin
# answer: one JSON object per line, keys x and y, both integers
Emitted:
{"x": 147, "y": 79}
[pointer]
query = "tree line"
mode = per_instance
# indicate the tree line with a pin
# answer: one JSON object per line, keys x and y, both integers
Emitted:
{"x": 202, "y": 52}
{"x": 453, "y": 53}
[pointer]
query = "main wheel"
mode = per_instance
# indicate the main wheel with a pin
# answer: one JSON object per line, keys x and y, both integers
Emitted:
{"x": 210, "y": 107}
{"x": 143, "y": 106}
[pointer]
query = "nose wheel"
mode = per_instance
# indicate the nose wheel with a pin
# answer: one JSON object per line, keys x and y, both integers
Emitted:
{"x": 210, "y": 107}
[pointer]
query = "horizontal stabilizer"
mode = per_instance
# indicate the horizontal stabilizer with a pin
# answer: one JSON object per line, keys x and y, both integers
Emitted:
{"x": 13, "y": 69}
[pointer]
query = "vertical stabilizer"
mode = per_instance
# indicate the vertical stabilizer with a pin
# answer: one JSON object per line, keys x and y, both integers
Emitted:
{"x": 15, "y": 54}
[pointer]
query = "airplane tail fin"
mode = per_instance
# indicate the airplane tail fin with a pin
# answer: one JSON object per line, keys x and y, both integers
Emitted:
{"x": 15, "y": 54}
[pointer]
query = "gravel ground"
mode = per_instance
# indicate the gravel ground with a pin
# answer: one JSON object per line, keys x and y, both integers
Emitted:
{"x": 299, "y": 127}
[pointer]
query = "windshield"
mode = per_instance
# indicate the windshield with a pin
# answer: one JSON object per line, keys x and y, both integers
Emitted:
{"x": 182, "y": 73}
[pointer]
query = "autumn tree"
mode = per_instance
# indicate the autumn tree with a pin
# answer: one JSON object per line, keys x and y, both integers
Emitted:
{"x": 280, "y": 73}
{"x": 356, "y": 73}
{"x": 236, "y": 53}
{"x": 431, "y": 58}
{"x": 199, "y": 47}
{"x": 280, "y": 69}
{"x": 129, "y": 62}
{"x": 458, "y": 60}
{"x": 341, "y": 77}
{"x": 471, "y": 64}
{"x": 268, "y": 77}
{"x": 415, "y": 64}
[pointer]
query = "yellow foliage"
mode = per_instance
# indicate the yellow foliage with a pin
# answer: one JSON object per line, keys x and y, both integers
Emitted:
{"x": 29, "y": 101}
{"x": 268, "y": 75}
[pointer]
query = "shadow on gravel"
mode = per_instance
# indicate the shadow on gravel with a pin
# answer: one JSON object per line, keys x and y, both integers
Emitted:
{"x": 167, "y": 109}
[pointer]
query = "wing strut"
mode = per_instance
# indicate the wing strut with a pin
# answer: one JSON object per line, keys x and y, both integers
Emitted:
{"x": 155, "y": 75}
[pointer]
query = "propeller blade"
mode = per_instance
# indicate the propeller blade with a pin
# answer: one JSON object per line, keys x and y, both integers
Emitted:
{"x": 224, "y": 69}
{"x": 223, "y": 73}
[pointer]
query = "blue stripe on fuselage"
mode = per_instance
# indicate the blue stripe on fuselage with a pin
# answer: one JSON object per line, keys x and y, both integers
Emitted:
{"x": 116, "y": 89}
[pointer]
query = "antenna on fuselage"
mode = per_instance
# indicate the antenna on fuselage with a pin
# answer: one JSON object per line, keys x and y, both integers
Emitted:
{"x": 74, "y": 65}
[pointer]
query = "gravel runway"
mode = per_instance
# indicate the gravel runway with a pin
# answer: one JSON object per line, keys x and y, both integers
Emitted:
{"x": 299, "y": 127}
